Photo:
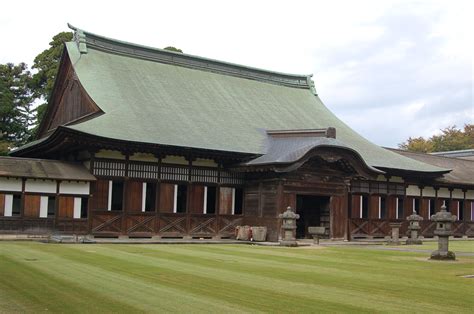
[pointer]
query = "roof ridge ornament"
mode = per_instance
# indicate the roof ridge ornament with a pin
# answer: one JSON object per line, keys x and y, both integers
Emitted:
{"x": 79, "y": 38}
{"x": 311, "y": 85}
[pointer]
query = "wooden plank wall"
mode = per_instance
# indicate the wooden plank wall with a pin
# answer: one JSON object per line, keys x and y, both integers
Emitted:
{"x": 391, "y": 202}
{"x": 355, "y": 212}
{"x": 269, "y": 200}
{"x": 66, "y": 207}
{"x": 424, "y": 208}
{"x": 196, "y": 201}
{"x": 166, "y": 197}
{"x": 2, "y": 204}
{"x": 252, "y": 201}
{"x": 408, "y": 206}
{"x": 225, "y": 201}
{"x": 70, "y": 101}
{"x": 289, "y": 199}
{"x": 453, "y": 207}
{"x": 134, "y": 190}
{"x": 32, "y": 205}
{"x": 338, "y": 216}
{"x": 100, "y": 194}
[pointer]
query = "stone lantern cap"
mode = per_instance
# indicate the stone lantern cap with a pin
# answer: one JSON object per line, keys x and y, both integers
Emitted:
{"x": 289, "y": 214}
{"x": 443, "y": 216}
{"x": 414, "y": 217}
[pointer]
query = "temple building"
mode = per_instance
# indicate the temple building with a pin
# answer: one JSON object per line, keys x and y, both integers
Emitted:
{"x": 143, "y": 142}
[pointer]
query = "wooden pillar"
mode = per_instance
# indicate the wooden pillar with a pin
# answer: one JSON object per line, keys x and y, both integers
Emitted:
{"x": 436, "y": 199}
{"x": 188, "y": 197}
{"x": 466, "y": 215}
{"x": 91, "y": 192}
{"x": 22, "y": 203}
{"x": 123, "y": 232}
{"x": 56, "y": 205}
{"x": 349, "y": 216}
{"x": 423, "y": 212}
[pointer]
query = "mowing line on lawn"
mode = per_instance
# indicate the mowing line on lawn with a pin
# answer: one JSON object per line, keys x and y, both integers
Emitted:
{"x": 139, "y": 294}
{"x": 295, "y": 289}
{"x": 210, "y": 284}
{"x": 200, "y": 278}
{"x": 19, "y": 296}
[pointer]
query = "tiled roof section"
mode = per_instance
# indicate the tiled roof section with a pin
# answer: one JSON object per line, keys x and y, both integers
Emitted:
{"x": 285, "y": 150}
{"x": 43, "y": 169}
{"x": 462, "y": 170}
{"x": 86, "y": 40}
{"x": 162, "y": 98}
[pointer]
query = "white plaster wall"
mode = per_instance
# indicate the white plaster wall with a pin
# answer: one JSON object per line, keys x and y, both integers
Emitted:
{"x": 8, "y": 205}
{"x": 413, "y": 190}
{"x": 143, "y": 157}
{"x": 429, "y": 191}
{"x": 77, "y": 207}
{"x": 112, "y": 154}
{"x": 443, "y": 192}
{"x": 396, "y": 179}
{"x": 10, "y": 184}
{"x": 381, "y": 178}
{"x": 470, "y": 194}
{"x": 143, "y": 196}
{"x": 43, "y": 207}
{"x": 109, "y": 198}
{"x": 40, "y": 186}
{"x": 73, "y": 187}
{"x": 180, "y": 160}
{"x": 205, "y": 163}
{"x": 458, "y": 193}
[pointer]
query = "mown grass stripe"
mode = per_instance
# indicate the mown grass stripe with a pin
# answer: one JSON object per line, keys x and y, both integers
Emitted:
{"x": 316, "y": 291}
{"x": 221, "y": 278}
{"x": 189, "y": 277}
{"x": 141, "y": 294}
{"x": 18, "y": 294}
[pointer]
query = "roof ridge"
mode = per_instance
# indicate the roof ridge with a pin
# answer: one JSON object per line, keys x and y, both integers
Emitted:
{"x": 427, "y": 154}
{"x": 86, "y": 39}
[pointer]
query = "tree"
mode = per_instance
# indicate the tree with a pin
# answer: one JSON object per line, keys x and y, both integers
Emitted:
{"x": 451, "y": 138}
{"x": 171, "y": 48}
{"x": 47, "y": 63}
{"x": 16, "y": 105}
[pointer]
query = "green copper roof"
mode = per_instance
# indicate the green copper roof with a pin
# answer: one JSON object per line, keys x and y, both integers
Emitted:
{"x": 155, "y": 96}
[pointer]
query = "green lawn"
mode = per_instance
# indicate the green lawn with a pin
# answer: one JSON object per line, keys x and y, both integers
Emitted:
{"x": 36, "y": 277}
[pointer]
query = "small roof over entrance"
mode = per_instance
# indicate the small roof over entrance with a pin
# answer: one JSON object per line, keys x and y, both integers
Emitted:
{"x": 287, "y": 150}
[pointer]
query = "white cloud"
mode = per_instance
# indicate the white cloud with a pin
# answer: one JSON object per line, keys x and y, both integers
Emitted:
{"x": 372, "y": 60}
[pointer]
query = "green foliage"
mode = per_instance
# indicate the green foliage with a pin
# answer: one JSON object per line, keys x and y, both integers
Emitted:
{"x": 451, "y": 138}
{"x": 47, "y": 64}
{"x": 171, "y": 48}
{"x": 16, "y": 109}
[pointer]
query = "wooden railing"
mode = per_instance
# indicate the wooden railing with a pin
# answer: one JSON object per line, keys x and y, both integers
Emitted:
{"x": 29, "y": 225}
{"x": 379, "y": 228}
{"x": 139, "y": 224}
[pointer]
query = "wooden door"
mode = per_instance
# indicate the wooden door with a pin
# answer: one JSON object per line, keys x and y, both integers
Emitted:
{"x": 32, "y": 206}
{"x": 166, "y": 197}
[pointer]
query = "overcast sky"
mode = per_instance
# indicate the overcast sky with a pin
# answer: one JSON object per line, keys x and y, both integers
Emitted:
{"x": 389, "y": 69}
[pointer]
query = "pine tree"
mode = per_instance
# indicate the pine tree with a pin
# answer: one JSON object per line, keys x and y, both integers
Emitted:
{"x": 17, "y": 114}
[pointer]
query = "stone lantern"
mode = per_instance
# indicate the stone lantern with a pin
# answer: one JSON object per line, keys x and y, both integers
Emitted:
{"x": 288, "y": 225}
{"x": 444, "y": 220}
{"x": 395, "y": 239}
{"x": 413, "y": 228}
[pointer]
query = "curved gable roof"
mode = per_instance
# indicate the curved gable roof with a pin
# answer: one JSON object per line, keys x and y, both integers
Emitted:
{"x": 155, "y": 96}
